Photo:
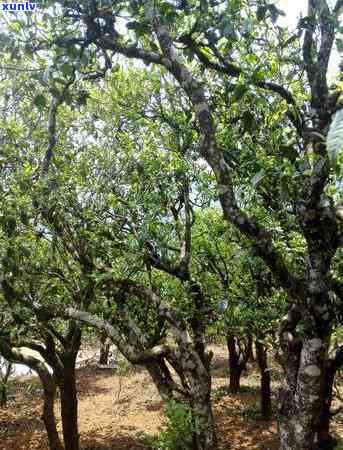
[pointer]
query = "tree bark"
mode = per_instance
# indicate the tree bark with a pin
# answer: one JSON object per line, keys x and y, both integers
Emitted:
{"x": 198, "y": 385}
{"x": 266, "y": 399}
{"x": 69, "y": 406}
{"x": 49, "y": 388}
{"x": 104, "y": 350}
{"x": 4, "y": 383}
{"x": 235, "y": 378}
{"x": 205, "y": 437}
{"x": 200, "y": 391}
{"x": 324, "y": 439}
{"x": 237, "y": 363}
{"x": 162, "y": 379}
{"x": 48, "y": 415}
{"x": 195, "y": 391}
{"x": 301, "y": 399}
{"x": 250, "y": 349}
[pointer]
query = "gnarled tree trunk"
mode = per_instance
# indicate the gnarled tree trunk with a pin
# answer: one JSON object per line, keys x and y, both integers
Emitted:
{"x": 49, "y": 388}
{"x": 301, "y": 397}
{"x": 238, "y": 359}
{"x": 162, "y": 379}
{"x": 205, "y": 437}
{"x": 199, "y": 381}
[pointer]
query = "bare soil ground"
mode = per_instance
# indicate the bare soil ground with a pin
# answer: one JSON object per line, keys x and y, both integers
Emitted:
{"x": 115, "y": 411}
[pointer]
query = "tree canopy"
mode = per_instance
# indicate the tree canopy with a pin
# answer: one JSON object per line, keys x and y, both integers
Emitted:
{"x": 171, "y": 170}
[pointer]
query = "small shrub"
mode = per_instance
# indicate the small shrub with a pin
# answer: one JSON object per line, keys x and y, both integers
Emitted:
{"x": 123, "y": 367}
{"x": 252, "y": 411}
{"x": 33, "y": 387}
{"x": 177, "y": 434}
{"x": 276, "y": 375}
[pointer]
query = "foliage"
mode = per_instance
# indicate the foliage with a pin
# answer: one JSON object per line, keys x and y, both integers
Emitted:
{"x": 339, "y": 445}
{"x": 117, "y": 175}
{"x": 178, "y": 431}
{"x": 252, "y": 411}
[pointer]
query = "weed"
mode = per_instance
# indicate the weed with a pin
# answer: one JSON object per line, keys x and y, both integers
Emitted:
{"x": 33, "y": 387}
{"x": 276, "y": 375}
{"x": 177, "y": 434}
{"x": 252, "y": 411}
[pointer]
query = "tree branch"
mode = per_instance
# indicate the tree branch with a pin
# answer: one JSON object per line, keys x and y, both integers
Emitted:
{"x": 208, "y": 147}
{"x": 317, "y": 60}
{"x": 230, "y": 69}
{"x": 56, "y": 101}
{"x": 209, "y": 150}
{"x": 338, "y": 8}
{"x": 128, "y": 350}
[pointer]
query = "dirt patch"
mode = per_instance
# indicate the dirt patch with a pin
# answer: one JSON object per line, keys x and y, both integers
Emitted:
{"x": 115, "y": 411}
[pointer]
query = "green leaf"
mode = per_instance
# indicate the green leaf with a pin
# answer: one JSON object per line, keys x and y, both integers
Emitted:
{"x": 261, "y": 12}
{"x": 67, "y": 69}
{"x": 40, "y": 101}
{"x": 140, "y": 28}
{"x": 248, "y": 120}
{"x": 339, "y": 45}
{"x": 240, "y": 90}
{"x": 10, "y": 225}
{"x": 82, "y": 98}
{"x": 334, "y": 140}
{"x": 15, "y": 26}
{"x": 100, "y": 277}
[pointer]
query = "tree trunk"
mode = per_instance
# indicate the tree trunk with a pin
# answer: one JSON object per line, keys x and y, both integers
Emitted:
{"x": 301, "y": 399}
{"x": 48, "y": 416}
{"x": 197, "y": 388}
{"x": 250, "y": 349}
{"x": 162, "y": 379}
{"x": 104, "y": 350}
{"x": 198, "y": 384}
{"x": 204, "y": 437}
{"x": 324, "y": 440}
{"x": 266, "y": 400}
{"x": 235, "y": 378}
{"x": 69, "y": 406}
{"x": 4, "y": 383}
{"x": 235, "y": 366}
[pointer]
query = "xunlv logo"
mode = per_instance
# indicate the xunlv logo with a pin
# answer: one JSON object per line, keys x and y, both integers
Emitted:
{"x": 27, "y": 6}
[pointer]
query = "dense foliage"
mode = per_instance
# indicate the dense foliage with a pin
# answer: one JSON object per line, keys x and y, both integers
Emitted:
{"x": 172, "y": 171}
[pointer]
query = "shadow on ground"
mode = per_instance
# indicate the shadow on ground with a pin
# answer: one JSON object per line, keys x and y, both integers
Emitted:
{"x": 236, "y": 431}
{"x": 99, "y": 441}
{"x": 90, "y": 381}
{"x": 25, "y": 422}
{"x": 219, "y": 367}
